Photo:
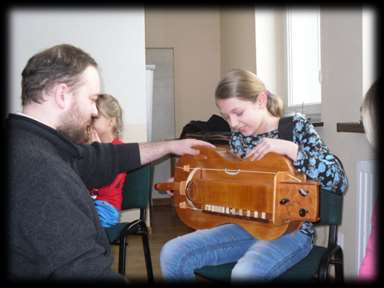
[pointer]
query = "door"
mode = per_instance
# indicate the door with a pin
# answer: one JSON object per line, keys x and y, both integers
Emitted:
{"x": 163, "y": 109}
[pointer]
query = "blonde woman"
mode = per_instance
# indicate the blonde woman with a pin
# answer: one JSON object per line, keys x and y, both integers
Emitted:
{"x": 106, "y": 128}
{"x": 254, "y": 114}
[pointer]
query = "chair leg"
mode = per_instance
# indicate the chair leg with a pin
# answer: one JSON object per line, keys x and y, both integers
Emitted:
{"x": 322, "y": 274}
{"x": 122, "y": 255}
{"x": 339, "y": 268}
{"x": 147, "y": 256}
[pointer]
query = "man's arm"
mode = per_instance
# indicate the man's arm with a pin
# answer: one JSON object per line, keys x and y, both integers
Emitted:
{"x": 99, "y": 162}
{"x": 152, "y": 151}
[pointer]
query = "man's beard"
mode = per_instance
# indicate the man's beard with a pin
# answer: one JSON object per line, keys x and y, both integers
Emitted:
{"x": 73, "y": 126}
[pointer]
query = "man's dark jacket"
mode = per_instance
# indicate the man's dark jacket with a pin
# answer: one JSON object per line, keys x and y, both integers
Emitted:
{"x": 54, "y": 230}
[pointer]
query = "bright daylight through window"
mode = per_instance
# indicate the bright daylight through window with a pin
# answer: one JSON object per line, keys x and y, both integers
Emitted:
{"x": 303, "y": 59}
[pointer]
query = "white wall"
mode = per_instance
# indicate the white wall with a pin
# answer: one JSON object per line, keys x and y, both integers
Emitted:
{"x": 194, "y": 35}
{"x": 237, "y": 39}
{"x": 114, "y": 38}
{"x": 369, "y": 47}
{"x": 270, "y": 49}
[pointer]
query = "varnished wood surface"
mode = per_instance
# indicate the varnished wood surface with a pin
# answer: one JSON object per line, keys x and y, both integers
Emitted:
{"x": 222, "y": 180}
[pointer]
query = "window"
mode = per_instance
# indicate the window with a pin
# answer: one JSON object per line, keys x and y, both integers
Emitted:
{"x": 303, "y": 61}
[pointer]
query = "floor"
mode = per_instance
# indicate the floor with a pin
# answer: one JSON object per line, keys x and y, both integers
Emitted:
{"x": 165, "y": 225}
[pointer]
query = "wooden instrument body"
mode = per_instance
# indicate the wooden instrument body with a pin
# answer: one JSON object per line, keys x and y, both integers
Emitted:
{"x": 267, "y": 197}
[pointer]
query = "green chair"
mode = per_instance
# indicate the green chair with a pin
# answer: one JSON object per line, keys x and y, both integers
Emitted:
{"x": 315, "y": 266}
{"x": 137, "y": 191}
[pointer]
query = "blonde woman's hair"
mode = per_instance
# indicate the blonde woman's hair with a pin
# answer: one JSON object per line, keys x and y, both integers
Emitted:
{"x": 368, "y": 113}
{"x": 109, "y": 107}
{"x": 245, "y": 85}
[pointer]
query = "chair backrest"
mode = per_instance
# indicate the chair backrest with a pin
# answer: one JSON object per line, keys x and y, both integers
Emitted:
{"x": 331, "y": 208}
{"x": 137, "y": 188}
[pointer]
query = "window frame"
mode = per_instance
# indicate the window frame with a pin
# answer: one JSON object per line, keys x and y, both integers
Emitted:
{"x": 311, "y": 110}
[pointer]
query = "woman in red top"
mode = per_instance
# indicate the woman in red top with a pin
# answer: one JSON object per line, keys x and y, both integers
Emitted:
{"x": 106, "y": 128}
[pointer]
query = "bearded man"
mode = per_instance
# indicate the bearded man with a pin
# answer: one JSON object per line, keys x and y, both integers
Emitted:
{"x": 54, "y": 230}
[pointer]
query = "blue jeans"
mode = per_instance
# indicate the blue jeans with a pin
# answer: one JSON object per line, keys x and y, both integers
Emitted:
{"x": 108, "y": 214}
{"x": 256, "y": 259}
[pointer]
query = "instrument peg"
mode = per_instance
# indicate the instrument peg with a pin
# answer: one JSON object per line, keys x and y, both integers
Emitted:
{"x": 303, "y": 192}
{"x": 284, "y": 201}
{"x": 302, "y": 212}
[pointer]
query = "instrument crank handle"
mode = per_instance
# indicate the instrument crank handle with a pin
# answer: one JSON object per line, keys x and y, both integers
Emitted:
{"x": 164, "y": 186}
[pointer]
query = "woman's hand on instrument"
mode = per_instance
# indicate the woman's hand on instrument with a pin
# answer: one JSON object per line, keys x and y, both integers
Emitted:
{"x": 266, "y": 145}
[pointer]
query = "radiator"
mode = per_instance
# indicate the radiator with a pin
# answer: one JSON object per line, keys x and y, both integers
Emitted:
{"x": 366, "y": 193}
